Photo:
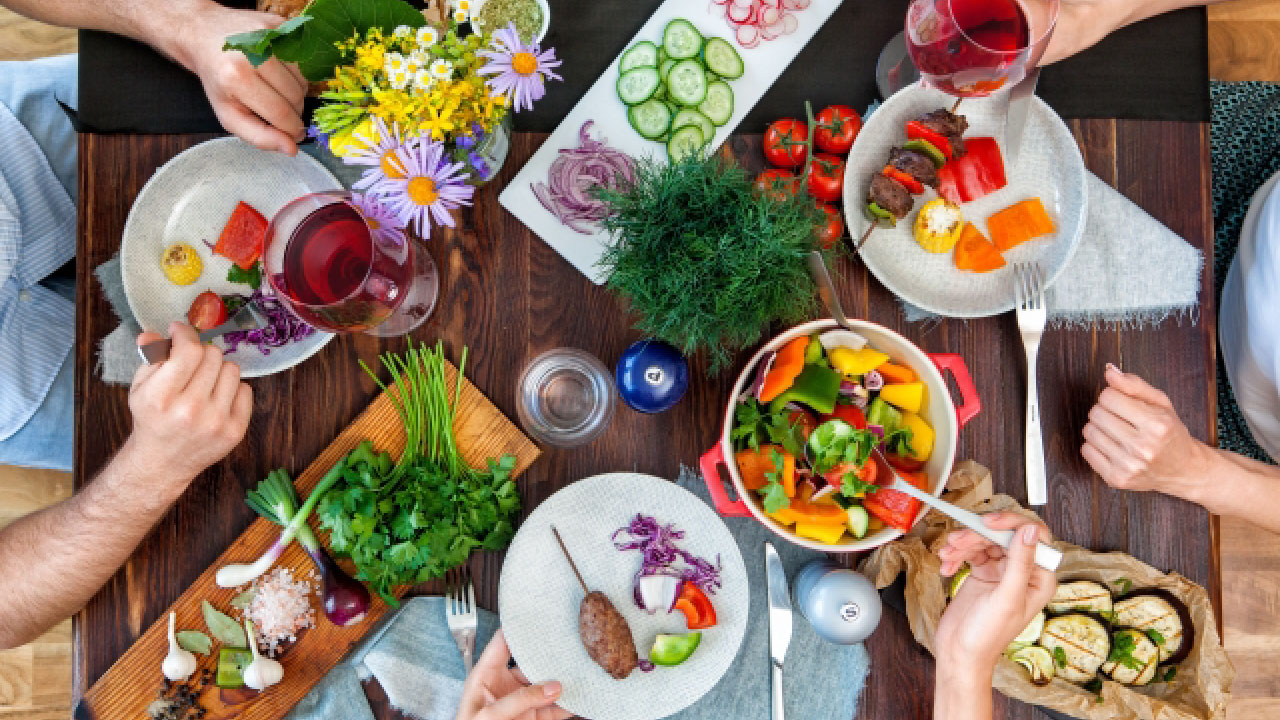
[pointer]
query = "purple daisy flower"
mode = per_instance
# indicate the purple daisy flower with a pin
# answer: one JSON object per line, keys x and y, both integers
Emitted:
{"x": 379, "y": 155}
{"x": 384, "y": 225}
{"x": 521, "y": 69}
{"x": 478, "y": 164}
{"x": 315, "y": 133}
{"x": 431, "y": 187}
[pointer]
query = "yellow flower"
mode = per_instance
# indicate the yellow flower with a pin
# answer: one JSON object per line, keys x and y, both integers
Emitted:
{"x": 437, "y": 120}
{"x": 350, "y": 139}
{"x": 370, "y": 57}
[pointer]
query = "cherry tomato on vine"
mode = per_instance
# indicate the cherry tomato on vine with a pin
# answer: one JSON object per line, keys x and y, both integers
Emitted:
{"x": 838, "y": 125}
{"x": 831, "y": 228}
{"x": 826, "y": 177}
{"x": 784, "y": 143}
{"x": 778, "y": 184}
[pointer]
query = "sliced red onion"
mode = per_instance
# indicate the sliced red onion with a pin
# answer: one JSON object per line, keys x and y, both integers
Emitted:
{"x": 766, "y": 364}
{"x": 877, "y": 430}
{"x": 575, "y": 172}
{"x": 657, "y": 592}
{"x": 849, "y": 388}
{"x": 873, "y": 381}
{"x": 645, "y": 666}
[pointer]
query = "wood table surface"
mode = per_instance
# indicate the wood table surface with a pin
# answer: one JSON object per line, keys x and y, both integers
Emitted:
{"x": 510, "y": 297}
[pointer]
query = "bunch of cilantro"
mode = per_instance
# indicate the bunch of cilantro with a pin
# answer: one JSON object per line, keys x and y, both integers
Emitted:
{"x": 414, "y": 520}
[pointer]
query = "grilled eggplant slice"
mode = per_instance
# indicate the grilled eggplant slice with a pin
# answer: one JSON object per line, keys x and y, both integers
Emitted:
{"x": 1079, "y": 644}
{"x": 1080, "y": 596}
{"x": 1037, "y": 661}
{"x": 1133, "y": 659}
{"x": 1152, "y": 609}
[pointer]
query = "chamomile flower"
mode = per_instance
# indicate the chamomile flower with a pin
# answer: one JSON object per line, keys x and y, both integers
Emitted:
{"x": 442, "y": 69}
{"x": 384, "y": 225}
{"x": 401, "y": 32}
{"x": 393, "y": 63}
{"x": 422, "y": 80}
{"x": 427, "y": 36}
{"x": 520, "y": 69}
{"x": 463, "y": 5}
{"x": 377, "y": 151}
{"x": 432, "y": 186}
{"x": 399, "y": 79}
{"x": 460, "y": 16}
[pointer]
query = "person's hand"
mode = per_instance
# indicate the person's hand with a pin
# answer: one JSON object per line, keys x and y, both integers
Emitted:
{"x": 1003, "y": 592}
{"x": 262, "y": 105}
{"x": 1135, "y": 441}
{"x": 1081, "y": 24}
{"x": 496, "y": 692}
{"x": 188, "y": 411}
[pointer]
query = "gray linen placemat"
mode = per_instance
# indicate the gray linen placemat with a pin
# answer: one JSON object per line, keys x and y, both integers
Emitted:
{"x": 414, "y": 659}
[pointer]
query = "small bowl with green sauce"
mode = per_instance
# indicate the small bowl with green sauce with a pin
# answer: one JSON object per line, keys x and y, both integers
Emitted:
{"x": 532, "y": 17}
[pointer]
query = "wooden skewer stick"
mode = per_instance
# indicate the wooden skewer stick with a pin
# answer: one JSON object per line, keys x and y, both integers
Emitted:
{"x": 569, "y": 557}
{"x": 956, "y": 107}
{"x": 870, "y": 229}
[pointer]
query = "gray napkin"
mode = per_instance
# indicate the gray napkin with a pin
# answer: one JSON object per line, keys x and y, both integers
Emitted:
{"x": 414, "y": 659}
{"x": 1129, "y": 269}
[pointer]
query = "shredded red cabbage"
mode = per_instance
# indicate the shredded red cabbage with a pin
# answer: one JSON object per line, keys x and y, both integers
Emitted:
{"x": 574, "y": 173}
{"x": 656, "y": 542}
{"x": 283, "y": 327}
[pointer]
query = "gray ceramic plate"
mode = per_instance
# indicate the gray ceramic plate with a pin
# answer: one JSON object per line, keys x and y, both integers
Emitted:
{"x": 1049, "y": 167}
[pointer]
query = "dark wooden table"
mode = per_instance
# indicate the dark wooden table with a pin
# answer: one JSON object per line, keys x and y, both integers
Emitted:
{"x": 509, "y": 297}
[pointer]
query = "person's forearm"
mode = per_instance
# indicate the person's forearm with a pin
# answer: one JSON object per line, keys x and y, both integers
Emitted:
{"x": 1082, "y": 23}
{"x": 962, "y": 692}
{"x": 54, "y": 560}
{"x": 155, "y": 22}
{"x": 1235, "y": 486}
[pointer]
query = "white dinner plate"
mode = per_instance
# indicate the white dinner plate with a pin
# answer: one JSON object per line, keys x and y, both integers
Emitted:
{"x": 1049, "y": 167}
{"x": 189, "y": 200}
{"x": 538, "y": 596}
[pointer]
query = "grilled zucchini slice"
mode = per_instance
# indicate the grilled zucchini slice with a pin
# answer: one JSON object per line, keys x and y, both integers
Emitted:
{"x": 1162, "y": 616}
{"x": 1133, "y": 659}
{"x": 1080, "y": 596}
{"x": 1079, "y": 644}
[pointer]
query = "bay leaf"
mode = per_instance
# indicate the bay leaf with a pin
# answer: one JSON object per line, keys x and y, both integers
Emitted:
{"x": 241, "y": 601}
{"x": 194, "y": 641}
{"x": 222, "y": 627}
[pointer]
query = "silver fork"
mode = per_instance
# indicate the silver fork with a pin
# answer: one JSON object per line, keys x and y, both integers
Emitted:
{"x": 1032, "y": 317}
{"x": 460, "y": 609}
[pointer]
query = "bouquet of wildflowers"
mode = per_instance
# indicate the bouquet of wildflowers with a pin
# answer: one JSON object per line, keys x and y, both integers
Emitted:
{"x": 413, "y": 103}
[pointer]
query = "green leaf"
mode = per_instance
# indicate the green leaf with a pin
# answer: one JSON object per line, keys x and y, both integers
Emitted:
{"x": 251, "y": 277}
{"x": 898, "y": 442}
{"x": 256, "y": 44}
{"x": 773, "y": 495}
{"x": 1125, "y": 585}
{"x": 1170, "y": 674}
{"x": 313, "y": 45}
{"x": 851, "y": 485}
{"x": 1122, "y": 647}
{"x": 1156, "y": 636}
{"x": 223, "y": 628}
{"x": 1060, "y": 657}
{"x": 194, "y": 641}
{"x": 241, "y": 601}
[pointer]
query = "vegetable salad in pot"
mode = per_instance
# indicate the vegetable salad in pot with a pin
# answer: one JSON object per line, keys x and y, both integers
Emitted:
{"x": 805, "y": 431}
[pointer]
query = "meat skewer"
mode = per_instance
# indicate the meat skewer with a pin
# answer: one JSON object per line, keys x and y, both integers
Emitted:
{"x": 602, "y": 629}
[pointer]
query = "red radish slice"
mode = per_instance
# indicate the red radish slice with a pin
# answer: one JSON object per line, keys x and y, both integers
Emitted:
{"x": 739, "y": 14}
{"x": 801, "y": 4}
{"x": 748, "y": 36}
{"x": 789, "y": 23}
{"x": 769, "y": 15}
{"x": 744, "y": 3}
{"x": 771, "y": 32}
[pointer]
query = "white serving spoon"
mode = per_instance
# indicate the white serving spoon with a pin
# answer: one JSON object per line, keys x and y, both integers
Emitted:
{"x": 1047, "y": 557}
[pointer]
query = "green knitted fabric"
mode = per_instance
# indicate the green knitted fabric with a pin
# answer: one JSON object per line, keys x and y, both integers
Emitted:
{"x": 1245, "y": 147}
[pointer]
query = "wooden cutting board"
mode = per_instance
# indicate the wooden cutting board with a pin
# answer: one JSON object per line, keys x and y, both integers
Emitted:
{"x": 130, "y": 685}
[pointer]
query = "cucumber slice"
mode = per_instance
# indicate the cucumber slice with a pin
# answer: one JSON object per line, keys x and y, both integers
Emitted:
{"x": 651, "y": 118}
{"x": 642, "y": 54}
{"x": 720, "y": 58}
{"x": 636, "y": 86}
{"x": 718, "y": 105}
{"x": 687, "y": 83}
{"x": 662, "y": 56}
{"x": 661, "y": 92}
{"x": 664, "y": 68}
{"x": 681, "y": 39}
{"x": 859, "y": 520}
{"x": 689, "y": 116}
{"x": 684, "y": 142}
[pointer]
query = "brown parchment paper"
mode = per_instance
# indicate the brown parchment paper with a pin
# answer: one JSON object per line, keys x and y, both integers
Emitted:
{"x": 1203, "y": 683}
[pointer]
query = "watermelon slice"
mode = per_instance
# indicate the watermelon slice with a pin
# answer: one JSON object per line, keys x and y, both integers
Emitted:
{"x": 242, "y": 237}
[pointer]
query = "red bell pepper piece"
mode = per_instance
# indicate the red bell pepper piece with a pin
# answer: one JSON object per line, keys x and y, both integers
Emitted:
{"x": 850, "y": 414}
{"x": 699, "y": 614}
{"x": 893, "y": 508}
{"x": 917, "y": 130}
{"x": 912, "y": 185}
{"x": 242, "y": 237}
{"x": 979, "y": 172}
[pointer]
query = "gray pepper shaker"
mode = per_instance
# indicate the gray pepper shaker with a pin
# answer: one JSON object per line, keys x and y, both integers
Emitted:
{"x": 842, "y": 605}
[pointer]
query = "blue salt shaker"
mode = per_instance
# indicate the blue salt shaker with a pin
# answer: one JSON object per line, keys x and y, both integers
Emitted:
{"x": 842, "y": 605}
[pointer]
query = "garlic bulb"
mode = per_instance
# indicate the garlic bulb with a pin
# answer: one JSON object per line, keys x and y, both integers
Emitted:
{"x": 179, "y": 664}
{"x": 263, "y": 672}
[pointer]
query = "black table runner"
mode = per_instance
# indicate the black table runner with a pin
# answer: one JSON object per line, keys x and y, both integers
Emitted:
{"x": 1155, "y": 70}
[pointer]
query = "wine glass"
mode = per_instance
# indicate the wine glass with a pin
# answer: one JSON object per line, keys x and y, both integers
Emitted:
{"x": 969, "y": 48}
{"x": 329, "y": 267}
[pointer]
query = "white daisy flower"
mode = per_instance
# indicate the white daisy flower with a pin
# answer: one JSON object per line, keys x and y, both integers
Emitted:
{"x": 401, "y": 32}
{"x": 460, "y": 16}
{"x": 464, "y": 5}
{"x": 420, "y": 59}
{"x": 442, "y": 69}
{"x": 427, "y": 36}
{"x": 422, "y": 80}
{"x": 399, "y": 80}
{"x": 394, "y": 63}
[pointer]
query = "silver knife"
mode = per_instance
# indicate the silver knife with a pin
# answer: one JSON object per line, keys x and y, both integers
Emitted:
{"x": 1019, "y": 103}
{"x": 779, "y": 621}
{"x": 248, "y": 318}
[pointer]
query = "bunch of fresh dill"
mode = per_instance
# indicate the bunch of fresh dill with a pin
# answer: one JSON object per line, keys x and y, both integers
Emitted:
{"x": 705, "y": 260}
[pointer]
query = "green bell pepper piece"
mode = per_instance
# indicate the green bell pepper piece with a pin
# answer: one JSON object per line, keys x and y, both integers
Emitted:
{"x": 674, "y": 649}
{"x": 813, "y": 352}
{"x": 816, "y": 386}
{"x": 877, "y": 214}
{"x": 924, "y": 147}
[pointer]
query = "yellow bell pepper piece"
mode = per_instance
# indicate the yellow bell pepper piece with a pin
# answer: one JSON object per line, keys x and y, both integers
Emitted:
{"x": 938, "y": 226}
{"x": 823, "y": 533}
{"x": 783, "y": 517}
{"x": 921, "y": 436}
{"x": 904, "y": 396}
{"x": 856, "y": 362}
